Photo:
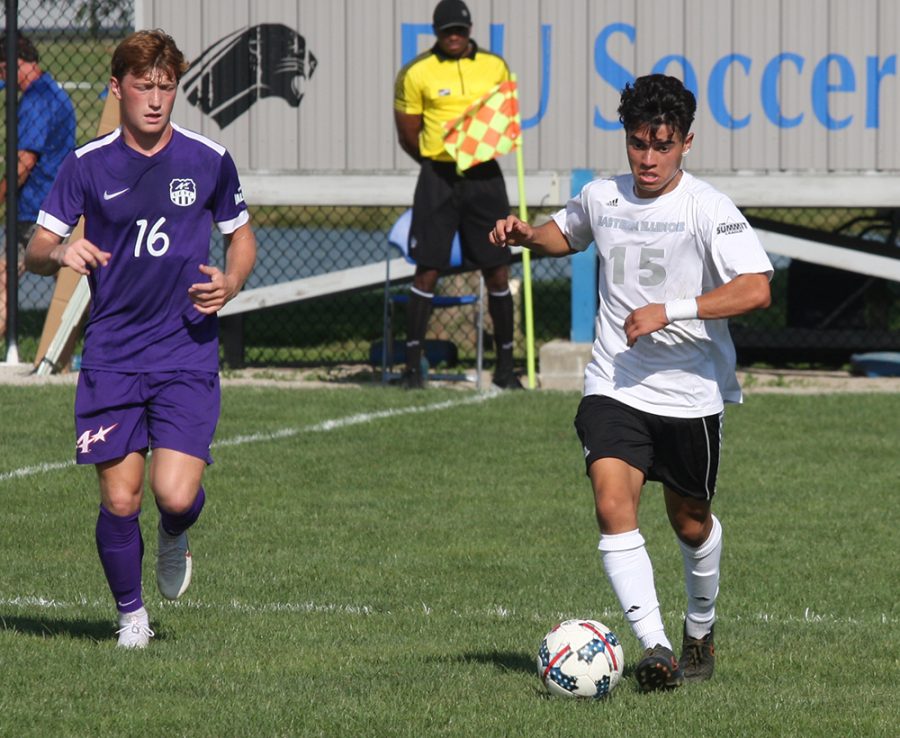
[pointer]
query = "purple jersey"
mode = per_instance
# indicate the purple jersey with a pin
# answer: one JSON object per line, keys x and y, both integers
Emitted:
{"x": 154, "y": 215}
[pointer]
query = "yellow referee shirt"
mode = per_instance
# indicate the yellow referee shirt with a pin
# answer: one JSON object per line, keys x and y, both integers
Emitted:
{"x": 441, "y": 88}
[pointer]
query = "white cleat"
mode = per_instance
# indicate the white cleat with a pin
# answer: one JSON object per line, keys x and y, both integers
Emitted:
{"x": 173, "y": 564}
{"x": 134, "y": 629}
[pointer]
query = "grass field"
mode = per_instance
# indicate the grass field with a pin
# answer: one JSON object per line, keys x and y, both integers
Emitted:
{"x": 378, "y": 563}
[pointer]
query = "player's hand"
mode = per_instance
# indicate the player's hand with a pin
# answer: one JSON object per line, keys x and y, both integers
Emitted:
{"x": 210, "y": 297}
{"x": 511, "y": 232}
{"x": 81, "y": 256}
{"x": 644, "y": 321}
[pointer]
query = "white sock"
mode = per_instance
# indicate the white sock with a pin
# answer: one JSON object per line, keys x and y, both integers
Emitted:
{"x": 140, "y": 613}
{"x": 630, "y": 573}
{"x": 701, "y": 581}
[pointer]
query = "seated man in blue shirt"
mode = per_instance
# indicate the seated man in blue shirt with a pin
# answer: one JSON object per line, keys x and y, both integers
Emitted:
{"x": 46, "y": 133}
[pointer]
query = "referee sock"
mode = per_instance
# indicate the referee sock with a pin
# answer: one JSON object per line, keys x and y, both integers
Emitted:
{"x": 500, "y": 307}
{"x": 121, "y": 550}
{"x": 417, "y": 316}
{"x": 177, "y": 523}
{"x": 630, "y": 573}
{"x": 701, "y": 581}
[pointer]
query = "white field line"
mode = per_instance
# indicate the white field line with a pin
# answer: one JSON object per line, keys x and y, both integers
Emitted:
{"x": 30, "y": 471}
{"x": 500, "y": 612}
{"x": 69, "y": 85}
{"x": 325, "y": 425}
{"x": 358, "y": 419}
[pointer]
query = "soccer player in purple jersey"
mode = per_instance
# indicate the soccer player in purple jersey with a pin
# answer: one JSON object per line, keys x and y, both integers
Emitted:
{"x": 149, "y": 193}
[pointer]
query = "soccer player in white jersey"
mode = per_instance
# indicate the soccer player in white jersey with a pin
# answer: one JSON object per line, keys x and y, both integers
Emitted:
{"x": 149, "y": 192}
{"x": 676, "y": 259}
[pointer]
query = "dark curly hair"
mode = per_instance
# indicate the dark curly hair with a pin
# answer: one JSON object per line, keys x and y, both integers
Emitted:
{"x": 657, "y": 100}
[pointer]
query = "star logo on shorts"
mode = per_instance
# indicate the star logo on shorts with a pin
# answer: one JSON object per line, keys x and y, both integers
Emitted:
{"x": 89, "y": 438}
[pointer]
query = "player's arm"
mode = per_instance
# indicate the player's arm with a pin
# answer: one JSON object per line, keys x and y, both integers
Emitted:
{"x": 240, "y": 256}
{"x": 26, "y": 162}
{"x": 408, "y": 128}
{"x": 546, "y": 239}
{"x": 46, "y": 253}
{"x": 744, "y": 293}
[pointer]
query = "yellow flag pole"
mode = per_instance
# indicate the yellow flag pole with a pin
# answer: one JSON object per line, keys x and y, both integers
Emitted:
{"x": 526, "y": 263}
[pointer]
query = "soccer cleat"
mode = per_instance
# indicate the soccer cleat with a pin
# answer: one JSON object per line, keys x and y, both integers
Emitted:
{"x": 698, "y": 657}
{"x": 173, "y": 564}
{"x": 134, "y": 629}
{"x": 412, "y": 380}
{"x": 507, "y": 380}
{"x": 658, "y": 669}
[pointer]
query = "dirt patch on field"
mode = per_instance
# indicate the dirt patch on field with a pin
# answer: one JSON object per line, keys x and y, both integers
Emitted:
{"x": 754, "y": 381}
{"x": 799, "y": 382}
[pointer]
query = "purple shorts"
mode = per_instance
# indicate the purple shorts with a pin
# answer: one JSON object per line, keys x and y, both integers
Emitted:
{"x": 116, "y": 413}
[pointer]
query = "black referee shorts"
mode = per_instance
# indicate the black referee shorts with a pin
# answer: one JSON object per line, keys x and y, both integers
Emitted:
{"x": 682, "y": 453}
{"x": 446, "y": 202}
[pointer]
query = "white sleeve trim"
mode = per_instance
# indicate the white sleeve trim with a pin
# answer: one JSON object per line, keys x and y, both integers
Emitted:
{"x": 45, "y": 220}
{"x": 217, "y": 147}
{"x": 230, "y": 226}
{"x": 98, "y": 143}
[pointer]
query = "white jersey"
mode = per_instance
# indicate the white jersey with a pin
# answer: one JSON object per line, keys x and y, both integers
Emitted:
{"x": 678, "y": 245}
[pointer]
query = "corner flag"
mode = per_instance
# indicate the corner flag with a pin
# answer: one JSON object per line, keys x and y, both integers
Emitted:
{"x": 488, "y": 129}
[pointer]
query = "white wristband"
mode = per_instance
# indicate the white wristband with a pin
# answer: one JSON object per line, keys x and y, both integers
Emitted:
{"x": 681, "y": 309}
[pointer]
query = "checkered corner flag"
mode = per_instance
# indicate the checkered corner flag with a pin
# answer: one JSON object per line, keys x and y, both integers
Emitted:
{"x": 489, "y": 128}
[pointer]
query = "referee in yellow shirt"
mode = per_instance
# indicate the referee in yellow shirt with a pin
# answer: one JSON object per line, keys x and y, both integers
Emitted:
{"x": 434, "y": 88}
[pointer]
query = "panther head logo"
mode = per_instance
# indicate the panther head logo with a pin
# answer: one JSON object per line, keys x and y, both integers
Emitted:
{"x": 266, "y": 60}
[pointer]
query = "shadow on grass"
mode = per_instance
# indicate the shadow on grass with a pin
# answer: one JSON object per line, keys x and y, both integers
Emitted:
{"x": 94, "y": 630}
{"x": 507, "y": 660}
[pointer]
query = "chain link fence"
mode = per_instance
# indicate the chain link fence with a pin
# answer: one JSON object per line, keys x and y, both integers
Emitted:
{"x": 74, "y": 40}
{"x": 822, "y": 315}
{"x": 819, "y": 315}
{"x": 297, "y": 243}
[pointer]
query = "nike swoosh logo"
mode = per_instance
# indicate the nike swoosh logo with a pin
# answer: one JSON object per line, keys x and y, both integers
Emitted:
{"x": 111, "y": 195}
{"x": 126, "y": 604}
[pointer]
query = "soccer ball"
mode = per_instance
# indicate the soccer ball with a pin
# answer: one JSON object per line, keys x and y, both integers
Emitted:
{"x": 580, "y": 658}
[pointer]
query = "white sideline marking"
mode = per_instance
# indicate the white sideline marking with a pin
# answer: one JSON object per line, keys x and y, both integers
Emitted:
{"x": 325, "y": 425}
{"x": 358, "y": 419}
{"x": 501, "y": 612}
{"x": 30, "y": 471}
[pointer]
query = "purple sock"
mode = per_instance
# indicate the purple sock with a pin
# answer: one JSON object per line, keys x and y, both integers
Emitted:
{"x": 121, "y": 550}
{"x": 176, "y": 524}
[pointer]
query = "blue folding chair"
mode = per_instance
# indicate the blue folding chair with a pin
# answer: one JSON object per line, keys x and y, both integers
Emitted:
{"x": 398, "y": 240}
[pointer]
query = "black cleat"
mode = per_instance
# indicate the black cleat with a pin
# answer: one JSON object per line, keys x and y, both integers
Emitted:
{"x": 698, "y": 657}
{"x": 658, "y": 669}
{"x": 507, "y": 380}
{"x": 411, "y": 380}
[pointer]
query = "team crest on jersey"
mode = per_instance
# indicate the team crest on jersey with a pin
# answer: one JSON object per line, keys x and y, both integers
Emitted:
{"x": 183, "y": 192}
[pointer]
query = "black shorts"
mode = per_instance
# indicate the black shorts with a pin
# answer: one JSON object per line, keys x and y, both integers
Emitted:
{"x": 682, "y": 453}
{"x": 446, "y": 202}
